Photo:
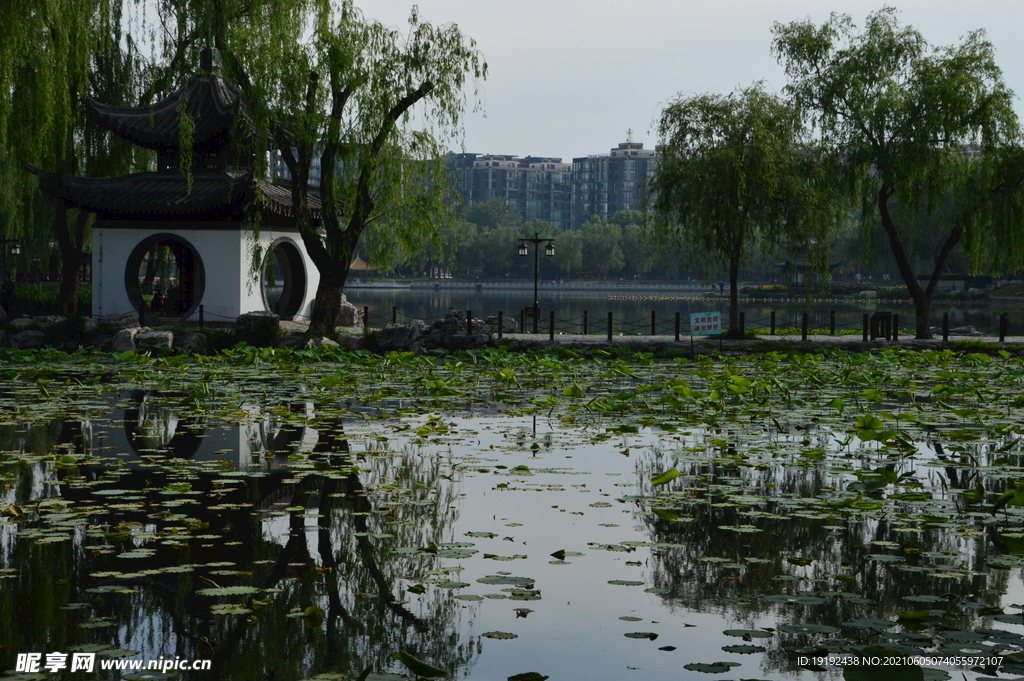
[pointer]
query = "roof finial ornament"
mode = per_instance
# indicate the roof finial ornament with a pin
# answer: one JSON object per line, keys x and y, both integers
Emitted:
{"x": 209, "y": 59}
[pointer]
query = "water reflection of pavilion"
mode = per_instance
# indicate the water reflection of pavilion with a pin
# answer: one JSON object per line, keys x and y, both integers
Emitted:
{"x": 309, "y": 534}
{"x": 143, "y": 425}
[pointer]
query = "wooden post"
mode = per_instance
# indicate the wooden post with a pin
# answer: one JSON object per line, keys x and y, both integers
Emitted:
{"x": 832, "y": 323}
{"x": 469, "y": 321}
{"x": 366, "y": 319}
{"x": 866, "y": 327}
{"x": 551, "y": 326}
{"x": 677, "y": 327}
{"x": 501, "y": 323}
{"x": 1003, "y": 323}
{"x": 394, "y": 314}
{"x": 654, "y": 324}
{"x": 609, "y": 327}
{"x": 202, "y": 315}
{"x": 803, "y": 328}
{"x": 895, "y": 328}
{"x": 773, "y": 323}
{"x": 945, "y": 327}
{"x": 743, "y": 324}
{"x": 586, "y": 331}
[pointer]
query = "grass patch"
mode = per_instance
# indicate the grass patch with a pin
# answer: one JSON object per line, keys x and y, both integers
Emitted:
{"x": 1006, "y": 291}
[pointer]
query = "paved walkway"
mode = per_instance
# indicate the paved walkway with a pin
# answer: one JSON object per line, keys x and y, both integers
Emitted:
{"x": 751, "y": 345}
{"x": 705, "y": 343}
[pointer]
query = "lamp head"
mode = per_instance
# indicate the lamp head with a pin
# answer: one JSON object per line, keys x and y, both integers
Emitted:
{"x": 522, "y": 248}
{"x": 549, "y": 250}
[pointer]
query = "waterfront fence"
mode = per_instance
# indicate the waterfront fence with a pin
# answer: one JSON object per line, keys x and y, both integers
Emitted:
{"x": 778, "y": 323}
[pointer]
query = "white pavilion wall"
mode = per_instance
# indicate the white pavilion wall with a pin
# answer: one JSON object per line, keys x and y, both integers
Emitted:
{"x": 226, "y": 254}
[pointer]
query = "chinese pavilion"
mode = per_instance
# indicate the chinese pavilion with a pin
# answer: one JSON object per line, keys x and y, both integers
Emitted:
{"x": 165, "y": 243}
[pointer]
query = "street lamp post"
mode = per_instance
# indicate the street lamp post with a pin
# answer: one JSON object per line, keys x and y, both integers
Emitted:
{"x": 549, "y": 250}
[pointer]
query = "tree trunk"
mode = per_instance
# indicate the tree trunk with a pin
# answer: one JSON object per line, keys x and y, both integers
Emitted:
{"x": 734, "y": 299}
{"x": 922, "y": 298}
{"x": 327, "y": 304}
{"x": 70, "y": 259}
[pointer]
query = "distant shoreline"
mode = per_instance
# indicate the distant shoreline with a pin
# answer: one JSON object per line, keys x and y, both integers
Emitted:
{"x": 543, "y": 284}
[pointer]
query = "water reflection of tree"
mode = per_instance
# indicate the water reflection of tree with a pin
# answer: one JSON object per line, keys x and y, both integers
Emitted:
{"x": 332, "y": 561}
{"x": 360, "y": 594}
{"x": 717, "y": 492}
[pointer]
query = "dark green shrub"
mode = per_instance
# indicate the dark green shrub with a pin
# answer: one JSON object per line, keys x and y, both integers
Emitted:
{"x": 41, "y": 299}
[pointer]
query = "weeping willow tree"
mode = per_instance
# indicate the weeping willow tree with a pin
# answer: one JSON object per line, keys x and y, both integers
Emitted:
{"x": 736, "y": 173}
{"x": 53, "y": 56}
{"x": 373, "y": 109}
{"x": 927, "y": 134}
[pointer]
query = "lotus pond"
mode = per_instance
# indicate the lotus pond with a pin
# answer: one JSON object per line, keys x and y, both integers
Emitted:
{"x": 318, "y": 514}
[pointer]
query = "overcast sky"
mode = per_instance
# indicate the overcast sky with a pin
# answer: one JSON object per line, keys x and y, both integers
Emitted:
{"x": 570, "y": 77}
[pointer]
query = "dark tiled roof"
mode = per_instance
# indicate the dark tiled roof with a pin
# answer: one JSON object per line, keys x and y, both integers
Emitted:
{"x": 167, "y": 196}
{"x": 277, "y": 198}
{"x": 212, "y": 102}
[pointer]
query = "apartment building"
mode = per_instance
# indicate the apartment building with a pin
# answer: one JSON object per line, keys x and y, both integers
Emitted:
{"x": 604, "y": 184}
{"x": 539, "y": 188}
{"x": 564, "y": 194}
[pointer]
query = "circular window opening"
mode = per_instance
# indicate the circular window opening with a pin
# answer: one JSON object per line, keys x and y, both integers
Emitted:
{"x": 165, "y": 277}
{"x": 284, "y": 279}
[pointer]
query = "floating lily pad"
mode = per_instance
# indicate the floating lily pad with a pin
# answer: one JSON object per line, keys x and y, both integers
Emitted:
{"x": 744, "y": 650}
{"x": 800, "y": 600}
{"x": 808, "y": 629}
{"x": 650, "y": 635}
{"x": 504, "y": 579}
{"x": 869, "y": 623}
{"x": 229, "y": 591}
{"x": 748, "y": 633}
{"x": 740, "y": 528}
{"x": 711, "y": 668}
{"x": 499, "y": 635}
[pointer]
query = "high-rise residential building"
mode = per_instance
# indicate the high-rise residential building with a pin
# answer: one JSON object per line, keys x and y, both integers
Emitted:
{"x": 539, "y": 188}
{"x": 604, "y": 184}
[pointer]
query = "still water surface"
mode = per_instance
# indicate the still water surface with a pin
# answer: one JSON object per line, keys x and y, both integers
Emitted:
{"x": 488, "y": 544}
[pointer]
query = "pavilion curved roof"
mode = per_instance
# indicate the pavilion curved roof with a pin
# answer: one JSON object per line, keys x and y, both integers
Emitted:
{"x": 213, "y": 103}
{"x": 168, "y": 196}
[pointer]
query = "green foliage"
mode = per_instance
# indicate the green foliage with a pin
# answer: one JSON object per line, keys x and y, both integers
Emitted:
{"x": 419, "y": 667}
{"x": 735, "y": 172}
{"x": 601, "y": 249}
{"x": 43, "y": 299}
{"x": 928, "y": 135}
{"x": 665, "y": 478}
{"x": 347, "y": 97}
